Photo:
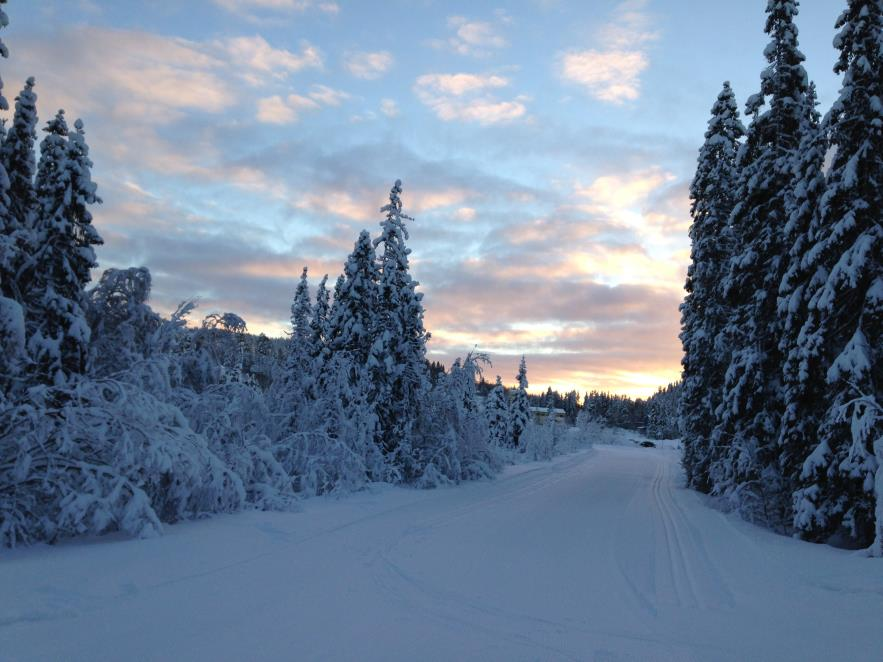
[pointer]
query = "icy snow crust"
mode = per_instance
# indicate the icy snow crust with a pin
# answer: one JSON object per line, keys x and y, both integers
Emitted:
{"x": 600, "y": 554}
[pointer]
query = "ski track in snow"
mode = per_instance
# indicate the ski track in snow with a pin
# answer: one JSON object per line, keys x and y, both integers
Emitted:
{"x": 598, "y": 555}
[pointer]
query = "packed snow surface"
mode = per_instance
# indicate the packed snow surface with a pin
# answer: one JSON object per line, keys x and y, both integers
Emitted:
{"x": 597, "y": 555}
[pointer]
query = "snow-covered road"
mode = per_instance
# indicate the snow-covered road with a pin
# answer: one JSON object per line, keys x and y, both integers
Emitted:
{"x": 599, "y": 555}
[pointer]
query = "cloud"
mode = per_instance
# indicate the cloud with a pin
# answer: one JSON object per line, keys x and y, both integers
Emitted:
{"x": 279, "y": 110}
{"x": 260, "y": 59}
{"x": 466, "y": 97}
{"x": 475, "y": 38}
{"x": 135, "y": 76}
{"x": 612, "y": 73}
{"x": 465, "y": 213}
{"x": 460, "y": 84}
{"x": 574, "y": 333}
{"x": 276, "y": 110}
{"x": 389, "y": 108}
{"x": 368, "y": 66}
{"x": 573, "y": 263}
{"x": 136, "y": 73}
{"x": 327, "y": 95}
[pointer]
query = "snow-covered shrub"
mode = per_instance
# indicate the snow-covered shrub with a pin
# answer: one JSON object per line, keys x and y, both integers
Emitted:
{"x": 321, "y": 464}
{"x": 440, "y": 450}
{"x": 122, "y": 322}
{"x": 233, "y": 418}
{"x": 576, "y": 437}
{"x": 329, "y": 444}
{"x": 462, "y": 425}
{"x": 12, "y": 343}
{"x": 539, "y": 440}
{"x": 102, "y": 455}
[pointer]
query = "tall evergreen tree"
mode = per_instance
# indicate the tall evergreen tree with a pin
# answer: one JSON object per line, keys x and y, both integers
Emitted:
{"x": 58, "y": 333}
{"x": 299, "y": 347}
{"x": 18, "y": 154}
{"x": 7, "y": 223}
{"x": 497, "y": 410}
{"x": 81, "y": 194}
{"x": 292, "y": 391}
{"x": 400, "y": 367}
{"x": 746, "y": 452}
{"x": 845, "y": 322}
{"x": 4, "y": 53}
{"x": 12, "y": 328}
{"x": 520, "y": 405}
{"x": 319, "y": 320}
{"x": 803, "y": 374}
{"x": 704, "y": 312}
{"x": 352, "y": 320}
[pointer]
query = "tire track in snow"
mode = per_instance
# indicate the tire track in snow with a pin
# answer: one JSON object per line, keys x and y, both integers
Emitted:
{"x": 707, "y": 584}
{"x": 672, "y": 553}
{"x": 463, "y": 610}
{"x": 533, "y": 486}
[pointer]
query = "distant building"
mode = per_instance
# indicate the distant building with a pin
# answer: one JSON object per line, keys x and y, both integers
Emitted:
{"x": 540, "y": 414}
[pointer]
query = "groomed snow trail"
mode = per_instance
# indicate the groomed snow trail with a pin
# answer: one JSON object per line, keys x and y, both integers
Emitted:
{"x": 599, "y": 555}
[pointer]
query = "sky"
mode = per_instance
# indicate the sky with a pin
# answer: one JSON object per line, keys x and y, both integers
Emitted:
{"x": 545, "y": 149}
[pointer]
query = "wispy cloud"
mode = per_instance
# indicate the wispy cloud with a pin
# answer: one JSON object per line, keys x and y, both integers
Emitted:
{"x": 367, "y": 65}
{"x": 389, "y": 108}
{"x": 279, "y": 110}
{"x": 256, "y": 59}
{"x": 468, "y": 98}
{"x": 474, "y": 37}
{"x": 136, "y": 75}
{"x": 327, "y": 95}
{"x": 612, "y": 73}
{"x": 286, "y": 110}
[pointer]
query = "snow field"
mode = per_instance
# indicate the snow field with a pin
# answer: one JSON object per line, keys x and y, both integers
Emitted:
{"x": 600, "y": 554}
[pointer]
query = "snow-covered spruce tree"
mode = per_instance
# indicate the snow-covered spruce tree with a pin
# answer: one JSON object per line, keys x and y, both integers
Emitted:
{"x": 18, "y": 155}
{"x": 17, "y": 164}
{"x": 398, "y": 365}
{"x": 704, "y": 312}
{"x": 319, "y": 321}
{"x": 571, "y": 407}
{"x": 352, "y": 320}
{"x": 291, "y": 387}
{"x": 662, "y": 412}
{"x": 299, "y": 348}
{"x": 845, "y": 322}
{"x": 59, "y": 269}
{"x": 497, "y": 410}
{"x": 4, "y": 53}
{"x": 803, "y": 373}
{"x": 337, "y": 446}
{"x": 263, "y": 365}
{"x": 745, "y": 460}
{"x": 12, "y": 325}
{"x": 519, "y": 407}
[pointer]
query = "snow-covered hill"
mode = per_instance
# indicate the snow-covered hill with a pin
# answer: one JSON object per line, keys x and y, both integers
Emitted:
{"x": 595, "y": 555}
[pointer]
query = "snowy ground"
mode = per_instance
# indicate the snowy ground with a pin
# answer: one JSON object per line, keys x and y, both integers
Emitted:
{"x": 596, "y": 555}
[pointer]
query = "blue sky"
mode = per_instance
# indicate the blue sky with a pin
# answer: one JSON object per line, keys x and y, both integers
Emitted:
{"x": 546, "y": 148}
